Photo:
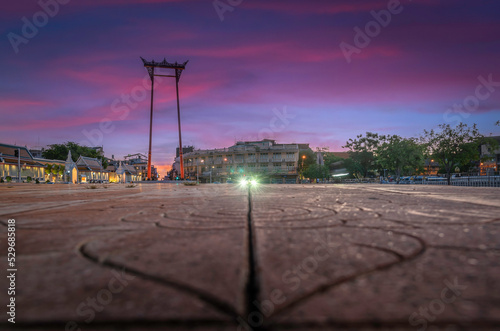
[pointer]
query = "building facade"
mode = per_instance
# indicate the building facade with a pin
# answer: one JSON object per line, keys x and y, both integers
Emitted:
{"x": 491, "y": 158}
{"x": 18, "y": 165}
{"x": 267, "y": 160}
{"x": 53, "y": 169}
{"x": 140, "y": 163}
{"x": 90, "y": 170}
{"x": 126, "y": 173}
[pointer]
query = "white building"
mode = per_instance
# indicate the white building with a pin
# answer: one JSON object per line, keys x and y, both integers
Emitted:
{"x": 272, "y": 162}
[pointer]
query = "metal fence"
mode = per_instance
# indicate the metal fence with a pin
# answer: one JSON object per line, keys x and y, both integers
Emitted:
{"x": 473, "y": 181}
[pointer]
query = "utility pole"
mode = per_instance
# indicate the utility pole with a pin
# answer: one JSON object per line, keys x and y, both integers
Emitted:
{"x": 151, "y": 122}
{"x": 18, "y": 165}
{"x": 181, "y": 158}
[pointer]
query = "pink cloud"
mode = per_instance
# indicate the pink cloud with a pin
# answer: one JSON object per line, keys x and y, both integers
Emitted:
{"x": 317, "y": 7}
{"x": 22, "y": 104}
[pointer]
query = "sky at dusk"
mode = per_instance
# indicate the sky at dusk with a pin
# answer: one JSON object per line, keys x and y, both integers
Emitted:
{"x": 257, "y": 69}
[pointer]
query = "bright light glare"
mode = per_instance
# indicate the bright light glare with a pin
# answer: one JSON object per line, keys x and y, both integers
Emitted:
{"x": 248, "y": 182}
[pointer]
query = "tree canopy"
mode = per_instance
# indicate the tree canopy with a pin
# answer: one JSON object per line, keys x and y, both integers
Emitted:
{"x": 453, "y": 146}
{"x": 60, "y": 152}
{"x": 404, "y": 156}
{"x": 362, "y": 158}
{"x": 317, "y": 171}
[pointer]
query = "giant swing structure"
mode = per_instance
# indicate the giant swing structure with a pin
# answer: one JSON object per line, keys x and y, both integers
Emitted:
{"x": 178, "y": 68}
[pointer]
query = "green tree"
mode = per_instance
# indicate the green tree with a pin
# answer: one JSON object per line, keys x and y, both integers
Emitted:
{"x": 60, "y": 152}
{"x": 317, "y": 171}
{"x": 48, "y": 169}
{"x": 403, "y": 156}
{"x": 362, "y": 154}
{"x": 55, "y": 171}
{"x": 453, "y": 146}
{"x": 330, "y": 159}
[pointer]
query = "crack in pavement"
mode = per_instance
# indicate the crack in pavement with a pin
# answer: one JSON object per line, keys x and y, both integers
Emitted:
{"x": 215, "y": 302}
{"x": 252, "y": 286}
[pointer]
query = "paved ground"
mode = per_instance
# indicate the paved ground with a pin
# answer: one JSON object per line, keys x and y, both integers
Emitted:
{"x": 277, "y": 257}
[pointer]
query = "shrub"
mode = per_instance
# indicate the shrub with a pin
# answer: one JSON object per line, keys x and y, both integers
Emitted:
{"x": 8, "y": 179}
{"x": 37, "y": 181}
{"x": 1, "y": 180}
{"x": 29, "y": 179}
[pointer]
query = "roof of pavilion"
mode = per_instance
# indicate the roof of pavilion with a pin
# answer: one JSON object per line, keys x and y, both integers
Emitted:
{"x": 85, "y": 163}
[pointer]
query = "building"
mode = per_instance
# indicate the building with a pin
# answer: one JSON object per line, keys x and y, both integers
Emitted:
{"x": 90, "y": 170}
{"x": 54, "y": 169}
{"x": 37, "y": 152}
{"x": 99, "y": 150}
{"x": 185, "y": 150}
{"x": 431, "y": 168}
{"x": 490, "y": 163}
{"x": 140, "y": 163}
{"x": 17, "y": 164}
{"x": 272, "y": 162}
{"x": 127, "y": 173}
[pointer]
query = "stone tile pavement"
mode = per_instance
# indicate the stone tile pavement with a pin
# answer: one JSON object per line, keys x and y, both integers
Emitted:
{"x": 274, "y": 257}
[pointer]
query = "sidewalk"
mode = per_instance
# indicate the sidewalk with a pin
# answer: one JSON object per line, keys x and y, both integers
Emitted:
{"x": 278, "y": 257}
